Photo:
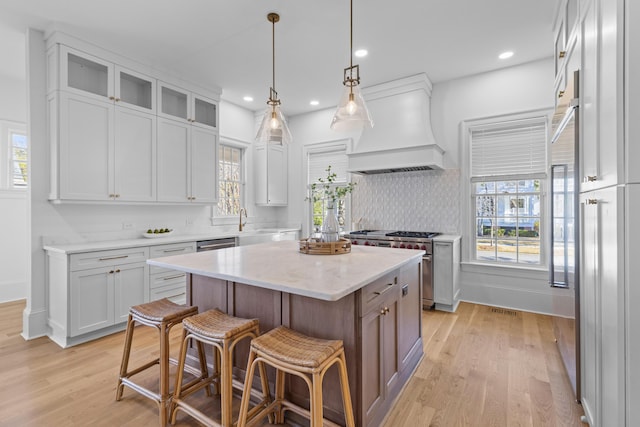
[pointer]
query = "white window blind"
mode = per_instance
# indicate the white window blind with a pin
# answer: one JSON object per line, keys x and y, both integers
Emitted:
{"x": 318, "y": 162}
{"x": 514, "y": 148}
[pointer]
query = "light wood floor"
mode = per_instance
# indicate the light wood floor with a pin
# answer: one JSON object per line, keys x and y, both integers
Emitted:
{"x": 482, "y": 367}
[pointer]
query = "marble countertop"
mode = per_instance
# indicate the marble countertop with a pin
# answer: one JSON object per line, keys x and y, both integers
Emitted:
{"x": 72, "y": 248}
{"x": 282, "y": 267}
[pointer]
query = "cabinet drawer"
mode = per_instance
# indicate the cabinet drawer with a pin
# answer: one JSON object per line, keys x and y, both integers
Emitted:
{"x": 176, "y": 292}
{"x": 168, "y": 250}
{"x": 169, "y": 277}
{"x": 372, "y": 294}
{"x": 87, "y": 260}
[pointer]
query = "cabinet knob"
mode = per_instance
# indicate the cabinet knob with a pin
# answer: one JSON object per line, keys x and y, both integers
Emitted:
{"x": 592, "y": 201}
{"x": 382, "y": 312}
{"x": 112, "y": 98}
{"x": 111, "y": 272}
{"x": 562, "y": 54}
{"x": 117, "y": 99}
{"x": 560, "y": 94}
{"x": 590, "y": 178}
{"x": 118, "y": 271}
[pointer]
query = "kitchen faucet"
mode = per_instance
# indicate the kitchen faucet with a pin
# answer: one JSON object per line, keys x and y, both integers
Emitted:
{"x": 242, "y": 224}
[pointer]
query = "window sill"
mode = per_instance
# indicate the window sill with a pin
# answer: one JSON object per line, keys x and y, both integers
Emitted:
{"x": 533, "y": 272}
{"x": 13, "y": 193}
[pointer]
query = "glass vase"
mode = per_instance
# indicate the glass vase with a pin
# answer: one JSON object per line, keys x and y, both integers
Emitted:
{"x": 330, "y": 228}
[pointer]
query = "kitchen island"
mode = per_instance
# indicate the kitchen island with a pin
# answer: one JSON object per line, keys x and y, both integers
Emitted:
{"x": 369, "y": 298}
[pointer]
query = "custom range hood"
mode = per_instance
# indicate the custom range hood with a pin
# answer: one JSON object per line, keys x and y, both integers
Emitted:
{"x": 401, "y": 139}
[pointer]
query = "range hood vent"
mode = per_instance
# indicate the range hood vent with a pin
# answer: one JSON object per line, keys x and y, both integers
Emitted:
{"x": 401, "y": 139}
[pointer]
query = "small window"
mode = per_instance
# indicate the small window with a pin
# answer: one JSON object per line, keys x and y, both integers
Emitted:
{"x": 19, "y": 159}
{"x": 230, "y": 180}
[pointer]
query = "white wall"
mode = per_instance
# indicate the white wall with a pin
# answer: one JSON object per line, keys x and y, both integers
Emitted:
{"x": 13, "y": 203}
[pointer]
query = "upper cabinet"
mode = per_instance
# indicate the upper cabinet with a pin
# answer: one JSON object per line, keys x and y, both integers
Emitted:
{"x": 90, "y": 76}
{"x": 110, "y": 137}
{"x": 182, "y": 105}
{"x": 271, "y": 174}
{"x": 566, "y": 39}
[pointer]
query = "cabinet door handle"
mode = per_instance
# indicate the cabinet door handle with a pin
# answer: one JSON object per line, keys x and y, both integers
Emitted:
{"x": 590, "y": 178}
{"x": 174, "y": 250}
{"x": 592, "y": 201}
{"x": 177, "y": 276}
{"x": 560, "y": 94}
{"x": 562, "y": 54}
{"x": 387, "y": 289}
{"x": 113, "y": 257}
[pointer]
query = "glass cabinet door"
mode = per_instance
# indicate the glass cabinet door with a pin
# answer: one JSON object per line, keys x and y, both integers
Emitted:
{"x": 85, "y": 74}
{"x": 173, "y": 102}
{"x": 205, "y": 112}
{"x": 135, "y": 90}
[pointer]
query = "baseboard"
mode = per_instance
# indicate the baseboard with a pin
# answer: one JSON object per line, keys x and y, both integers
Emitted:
{"x": 34, "y": 324}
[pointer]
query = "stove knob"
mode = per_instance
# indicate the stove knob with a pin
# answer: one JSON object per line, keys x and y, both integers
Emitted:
{"x": 401, "y": 245}
{"x": 354, "y": 242}
{"x": 409, "y": 246}
{"x": 366, "y": 243}
{"x": 423, "y": 247}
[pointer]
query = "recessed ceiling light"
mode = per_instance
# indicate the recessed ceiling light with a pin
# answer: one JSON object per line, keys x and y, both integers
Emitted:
{"x": 314, "y": 102}
{"x": 248, "y": 98}
{"x": 361, "y": 53}
{"x": 505, "y": 55}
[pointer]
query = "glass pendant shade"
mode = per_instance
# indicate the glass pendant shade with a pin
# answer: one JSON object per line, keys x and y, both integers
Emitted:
{"x": 352, "y": 112}
{"x": 273, "y": 128}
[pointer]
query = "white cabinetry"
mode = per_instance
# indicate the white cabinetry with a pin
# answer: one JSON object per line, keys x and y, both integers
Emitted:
{"x": 602, "y": 322}
{"x": 185, "y": 106}
{"x": 187, "y": 163}
{"x": 271, "y": 172}
{"x": 91, "y": 292}
{"x": 446, "y": 273}
{"x": 165, "y": 283}
{"x": 103, "y": 125}
{"x": 102, "y": 128}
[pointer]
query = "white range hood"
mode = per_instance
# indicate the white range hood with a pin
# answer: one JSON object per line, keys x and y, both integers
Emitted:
{"x": 401, "y": 139}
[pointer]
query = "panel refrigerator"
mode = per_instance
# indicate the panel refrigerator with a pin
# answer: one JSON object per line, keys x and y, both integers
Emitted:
{"x": 564, "y": 264}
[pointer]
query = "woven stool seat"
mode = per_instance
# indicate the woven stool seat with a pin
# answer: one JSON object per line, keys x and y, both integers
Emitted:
{"x": 291, "y": 352}
{"x": 163, "y": 315}
{"x": 295, "y": 348}
{"x": 218, "y": 325}
{"x": 162, "y": 310}
{"x": 222, "y": 332}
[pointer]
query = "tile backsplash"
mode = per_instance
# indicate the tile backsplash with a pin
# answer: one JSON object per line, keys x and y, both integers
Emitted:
{"x": 408, "y": 201}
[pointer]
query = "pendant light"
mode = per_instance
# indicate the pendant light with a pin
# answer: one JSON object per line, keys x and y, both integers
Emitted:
{"x": 352, "y": 112}
{"x": 273, "y": 128}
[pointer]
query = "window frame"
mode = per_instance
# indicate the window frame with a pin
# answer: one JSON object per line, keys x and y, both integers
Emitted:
{"x": 7, "y": 130}
{"x": 467, "y": 183}
{"x": 320, "y": 147}
{"x": 242, "y": 147}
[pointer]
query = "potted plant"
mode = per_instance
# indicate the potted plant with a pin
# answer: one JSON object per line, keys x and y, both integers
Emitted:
{"x": 326, "y": 190}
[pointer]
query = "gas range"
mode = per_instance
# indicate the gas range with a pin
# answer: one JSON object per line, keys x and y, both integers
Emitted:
{"x": 393, "y": 239}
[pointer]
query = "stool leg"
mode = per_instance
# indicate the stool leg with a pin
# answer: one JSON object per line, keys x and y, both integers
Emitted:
{"x": 346, "y": 394}
{"x": 226, "y": 382}
{"x": 204, "y": 371}
{"x": 164, "y": 372}
{"x": 177, "y": 391}
{"x": 280, "y": 379}
{"x": 124, "y": 365}
{"x": 316, "y": 400}
{"x": 266, "y": 393}
{"x": 246, "y": 392}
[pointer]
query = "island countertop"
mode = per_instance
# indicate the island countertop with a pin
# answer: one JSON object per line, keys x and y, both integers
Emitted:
{"x": 280, "y": 266}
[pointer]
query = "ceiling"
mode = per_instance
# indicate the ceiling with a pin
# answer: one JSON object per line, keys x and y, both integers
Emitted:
{"x": 227, "y": 43}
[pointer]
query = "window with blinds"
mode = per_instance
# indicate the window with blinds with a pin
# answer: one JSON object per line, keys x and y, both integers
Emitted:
{"x": 318, "y": 160}
{"x": 508, "y": 171}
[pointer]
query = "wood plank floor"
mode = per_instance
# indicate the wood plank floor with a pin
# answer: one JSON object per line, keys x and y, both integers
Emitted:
{"x": 482, "y": 367}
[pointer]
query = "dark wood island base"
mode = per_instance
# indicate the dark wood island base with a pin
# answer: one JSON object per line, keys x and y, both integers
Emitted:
{"x": 380, "y": 325}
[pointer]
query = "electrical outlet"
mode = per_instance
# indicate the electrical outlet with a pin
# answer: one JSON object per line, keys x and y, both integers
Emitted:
{"x": 127, "y": 225}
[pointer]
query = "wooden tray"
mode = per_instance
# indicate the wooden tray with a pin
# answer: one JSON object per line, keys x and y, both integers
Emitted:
{"x": 313, "y": 247}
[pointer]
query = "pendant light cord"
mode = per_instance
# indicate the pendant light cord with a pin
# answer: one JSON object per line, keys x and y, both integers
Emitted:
{"x": 351, "y": 38}
{"x": 273, "y": 50}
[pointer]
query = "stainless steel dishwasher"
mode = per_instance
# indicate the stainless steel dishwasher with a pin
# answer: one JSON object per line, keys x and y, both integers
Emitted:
{"x": 213, "y": 244}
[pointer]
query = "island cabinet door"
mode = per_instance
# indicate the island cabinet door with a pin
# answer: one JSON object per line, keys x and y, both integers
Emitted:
{"x": 409, "y": 316}
{"x": 380, "y": 358}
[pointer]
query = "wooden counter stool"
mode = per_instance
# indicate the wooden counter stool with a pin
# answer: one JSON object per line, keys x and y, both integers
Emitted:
{"x": 309, "y": 358}
{"x": 163, "y": 315}
{"x": 222, "y": 332}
